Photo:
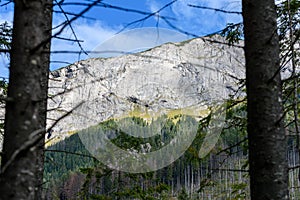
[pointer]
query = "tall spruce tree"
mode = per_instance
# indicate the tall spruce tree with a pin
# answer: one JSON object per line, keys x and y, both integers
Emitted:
{"x": 25, "y": 119}
{"x": 267, "y": 140}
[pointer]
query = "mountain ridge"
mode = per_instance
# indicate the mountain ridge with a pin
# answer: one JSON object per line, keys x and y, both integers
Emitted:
{"x": 189, "y": 75}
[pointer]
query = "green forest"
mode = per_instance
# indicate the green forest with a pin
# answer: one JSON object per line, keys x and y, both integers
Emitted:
{"x": 256, "y": 156}
{"x": 71, "y": 172}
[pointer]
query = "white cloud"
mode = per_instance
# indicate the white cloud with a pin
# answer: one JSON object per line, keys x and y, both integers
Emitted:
{"x": 199, "y": 21}
{"x": 205, "y": 20}
{"x": 138, "y": 40}
{"x": 92, "y": 33}
{"x": 97, "y": 34}
{"x": 153, "y": 5}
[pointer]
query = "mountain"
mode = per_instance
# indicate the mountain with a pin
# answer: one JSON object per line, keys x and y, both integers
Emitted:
{"x": 175, "y": 78}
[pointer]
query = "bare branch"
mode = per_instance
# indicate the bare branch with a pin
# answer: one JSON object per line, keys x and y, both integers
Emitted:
{"x": 105, "y": 5}
{"x": 5, "y": 4}
{"x": 33, "y": 139}
{"x": 216, "y": 9}
{"x": 203, "y": 38}
{"x": 156, "y": 13}
{"x": 232, "y": 170}
{"x": 63, "y": 116}
{"x": 235, "y": 145}
{"x": 294, "y": 167}
{"x": 74, "y": 14}
{"x": 62, "y": 62}
{"x": 4, "y": 51}
{"x": 71, "y": 27}
{"x": 65, "y": 24}
{"x": 68, "y": 152}
{"x": 68, "y": 39}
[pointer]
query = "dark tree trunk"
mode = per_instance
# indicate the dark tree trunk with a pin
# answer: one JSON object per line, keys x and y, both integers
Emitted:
{"x": 25, "y": 119}
{"x": 267, "y": 141}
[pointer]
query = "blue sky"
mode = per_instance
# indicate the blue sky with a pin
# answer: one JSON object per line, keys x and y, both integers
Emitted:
{"x": 108, "y": 22}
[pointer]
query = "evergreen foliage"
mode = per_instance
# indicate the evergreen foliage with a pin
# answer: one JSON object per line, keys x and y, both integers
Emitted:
{"x": 162, "y": 184}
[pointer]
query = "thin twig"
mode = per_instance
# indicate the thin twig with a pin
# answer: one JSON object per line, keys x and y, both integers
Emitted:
{"x": 156, "y": 13}
{"x": 216, "y": 9}
{"x": 68, "y": 152}
{"x": 235, "y": 145}
{"x": 65, "y": 24}
{"x": 33, "y": 139}
{"x": 71, "y": 27}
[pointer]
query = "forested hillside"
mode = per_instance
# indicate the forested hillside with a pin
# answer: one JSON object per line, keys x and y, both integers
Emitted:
{"x": 72, "y": 172}
{"x": 222, "y": 174}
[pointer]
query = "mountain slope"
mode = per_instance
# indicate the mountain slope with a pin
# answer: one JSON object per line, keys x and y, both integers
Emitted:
{"x": 173, "y": 78}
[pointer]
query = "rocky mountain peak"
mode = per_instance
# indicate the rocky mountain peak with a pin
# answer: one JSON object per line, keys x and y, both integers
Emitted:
{"x": 184, "y": 77}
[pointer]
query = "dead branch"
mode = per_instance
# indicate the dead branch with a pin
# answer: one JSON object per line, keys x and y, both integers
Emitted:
{"x": 216, "y": 9}
{"x": 33, "y": 139}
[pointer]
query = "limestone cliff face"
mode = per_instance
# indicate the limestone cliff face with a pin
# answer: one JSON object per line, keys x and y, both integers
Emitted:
{"x": 185, "y": 77}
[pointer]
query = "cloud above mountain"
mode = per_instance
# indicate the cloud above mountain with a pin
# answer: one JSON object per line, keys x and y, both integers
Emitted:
{"x": 200, "y": 21}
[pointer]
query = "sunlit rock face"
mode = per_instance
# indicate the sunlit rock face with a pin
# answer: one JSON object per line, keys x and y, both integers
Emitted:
{"x": 173, "y": 78}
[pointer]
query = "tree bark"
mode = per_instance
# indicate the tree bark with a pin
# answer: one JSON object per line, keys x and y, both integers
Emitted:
{"x": 25, "y": 119}
{"x": 267, "y": 140}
